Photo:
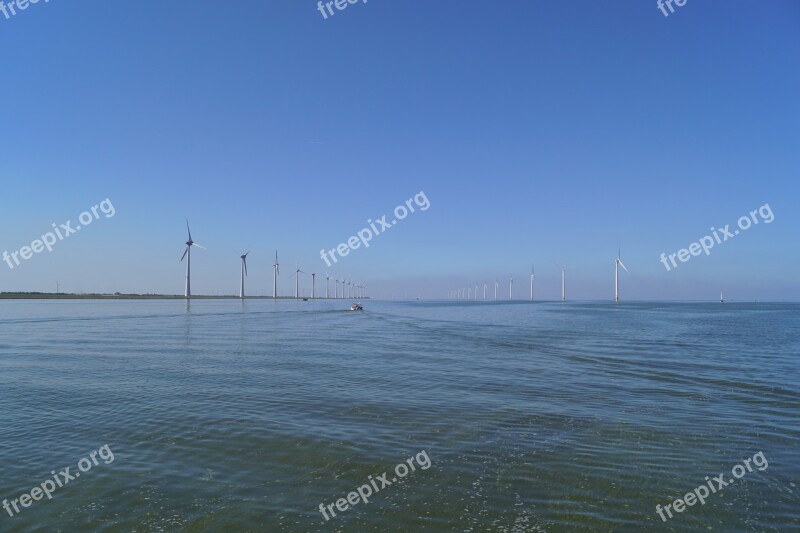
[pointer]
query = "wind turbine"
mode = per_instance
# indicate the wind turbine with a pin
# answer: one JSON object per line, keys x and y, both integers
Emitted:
{"x": 617, "y": 263}
{"x": 484, "y": 290}
{"x": 495, "y": 289}
{"x": 296, "y": 277}
{"x": 244, "y": 273}
{"x": 511, "y": 288}
{"x": 188, "y": 254}
{"x": 476, "y": 291}
{"x": 533, "y": 279}
{"x": 313, "y": 283}
{"x": 564, "y": 282}
{"x": 327, "y": 283}
{"x": 277, "y": 270}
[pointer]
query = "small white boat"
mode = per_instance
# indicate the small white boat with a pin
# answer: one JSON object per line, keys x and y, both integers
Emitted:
{"x": 356, "y": 307}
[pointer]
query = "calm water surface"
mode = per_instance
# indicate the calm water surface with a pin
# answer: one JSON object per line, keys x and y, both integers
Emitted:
{"x": 245, "y": 416}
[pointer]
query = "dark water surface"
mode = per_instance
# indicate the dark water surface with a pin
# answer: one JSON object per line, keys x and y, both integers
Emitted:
{"x": 246, "y": 416}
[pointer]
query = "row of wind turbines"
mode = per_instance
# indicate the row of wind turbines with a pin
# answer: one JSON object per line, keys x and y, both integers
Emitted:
{"x": 349, "y": 289}
{"x": 466, "y": 293}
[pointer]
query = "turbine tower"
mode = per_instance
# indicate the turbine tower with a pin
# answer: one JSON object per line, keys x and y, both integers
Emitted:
{"x": 244, "y": 273}
{"x": 511, "y": 288}
{"x": 617, "y": 263}
{"x": 533, "y": 279}
{"x": 313, "y": 283}
{"x": 327, "y": 283}
{"x": 564, "y": 282}
{"x": 296, "y": 277}
{"x": 277, "y": 270}
{"x": 495, "y": 289}
{"x": 188, "y": 255}
{"x": 484, "y": 290}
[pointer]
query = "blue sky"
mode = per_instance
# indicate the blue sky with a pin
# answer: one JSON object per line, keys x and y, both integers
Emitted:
{"x": 542, "y": 132}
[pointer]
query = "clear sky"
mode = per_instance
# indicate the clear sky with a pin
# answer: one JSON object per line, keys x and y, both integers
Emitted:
{"x": 541, "y": 132}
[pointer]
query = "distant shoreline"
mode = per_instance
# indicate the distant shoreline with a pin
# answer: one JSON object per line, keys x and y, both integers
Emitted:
{"x": 68, "y": 296}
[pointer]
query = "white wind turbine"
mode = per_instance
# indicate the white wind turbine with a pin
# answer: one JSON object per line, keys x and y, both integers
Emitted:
{"x": 476, "y": 291}
{"x": 618, "y": 263}
{"x": 327, "y": 283}
{"x": 533, "y": 279}
{"x": 296, "y": 277}
{"x": 496, "y": 284}
{"x": 188, "y": 255}
{"x": 276, "y": 270}
{"x": 244, "y": 273}
{"x": 313, "y": 284}
{"x": 564, "y": 282}
{"x": 484, "y": 290}
{"x": 511, "y": 288}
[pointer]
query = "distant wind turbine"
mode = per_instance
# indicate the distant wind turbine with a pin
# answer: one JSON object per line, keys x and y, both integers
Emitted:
{"x": 617, "y": 263}
{"x": 564, "y": 282}
{"x": 296, "y": 277}
{"x": 313, "y": 284}
{"x": 244, "y": 273}
{"x": 496, "y": 284}
{"x": 327, "y": 283}
{"x": 511, "y": 288}
{"x": 188, "y": 255}
{"x": 276, "y": 270}
{"x": 484, "y": 290}
{"x": 533, "y": 279}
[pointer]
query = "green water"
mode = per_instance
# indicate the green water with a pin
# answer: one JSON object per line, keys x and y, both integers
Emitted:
{"x": 246, "y": 416}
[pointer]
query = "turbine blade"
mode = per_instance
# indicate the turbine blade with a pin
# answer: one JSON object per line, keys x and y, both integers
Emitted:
{"x": 199, "y": 246}
{"x": 623, "y": 266}
{"x": 186, "y": 251}
{"x": 244, "y": 260}
{"x": 188, "y": 230}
